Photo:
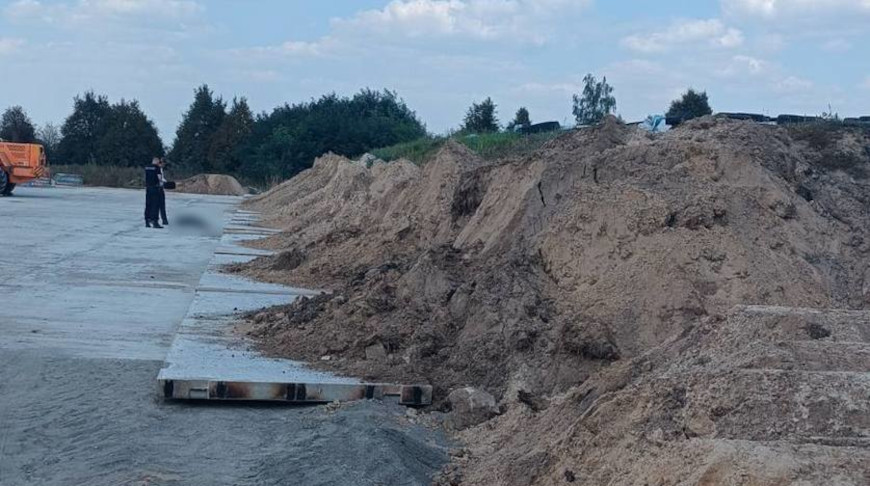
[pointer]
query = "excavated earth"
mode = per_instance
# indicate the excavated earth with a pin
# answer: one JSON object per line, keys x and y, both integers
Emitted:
{"x": 641, "y": 305}
{"x": 213, "y": 184}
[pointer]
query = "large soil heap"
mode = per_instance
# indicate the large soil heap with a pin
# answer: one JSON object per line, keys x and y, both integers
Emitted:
{"x": 213, "y": 184}
{"x": 591, "y": 286}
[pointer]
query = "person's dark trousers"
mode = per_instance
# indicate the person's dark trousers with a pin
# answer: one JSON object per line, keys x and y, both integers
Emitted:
{"x": 152, "y": 204}
{"x": 162, "y": 206}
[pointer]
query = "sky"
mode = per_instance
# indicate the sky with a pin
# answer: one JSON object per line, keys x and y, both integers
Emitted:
{"x": 761, "y": 56}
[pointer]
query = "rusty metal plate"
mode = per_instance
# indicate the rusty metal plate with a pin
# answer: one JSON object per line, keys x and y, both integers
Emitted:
{"x": 300, "y": 393}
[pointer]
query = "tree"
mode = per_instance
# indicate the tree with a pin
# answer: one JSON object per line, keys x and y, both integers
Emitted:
{"x": 481, "y": 118}
{"x": 49, "y": 136}
{"x": 196, "y": 132}
{"x": 235, "y": 129}
{"x": 286, "y": 141}
{"x": 596, "y": 102}
{"x": 693, "y": 104}
{"x": 83, "y": 129}
{"x": 520, "y": 120}
{"x": 15, "y": 126}
{"x": 130, "y": 138}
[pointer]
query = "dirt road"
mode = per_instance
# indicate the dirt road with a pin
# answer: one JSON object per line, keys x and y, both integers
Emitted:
{"x": 90, "y": 300}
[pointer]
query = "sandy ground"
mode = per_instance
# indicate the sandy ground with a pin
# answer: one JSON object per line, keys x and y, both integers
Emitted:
{"x": 88, "y": 316}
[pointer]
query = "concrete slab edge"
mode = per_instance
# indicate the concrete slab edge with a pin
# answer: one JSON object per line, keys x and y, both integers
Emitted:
{"x": 293, "y": 393}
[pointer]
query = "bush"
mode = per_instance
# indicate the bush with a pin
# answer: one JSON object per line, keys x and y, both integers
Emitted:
{"x": 693, "y": 104}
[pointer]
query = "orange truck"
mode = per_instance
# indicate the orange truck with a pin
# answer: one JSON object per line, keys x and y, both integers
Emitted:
{"x": 20, "y": 163}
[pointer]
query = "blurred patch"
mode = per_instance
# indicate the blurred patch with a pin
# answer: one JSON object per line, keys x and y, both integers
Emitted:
{"x": 196, "y": 223}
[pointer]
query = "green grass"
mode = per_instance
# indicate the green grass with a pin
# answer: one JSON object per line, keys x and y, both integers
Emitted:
{"x": 104, "y": 176}
{"x": 112, "y": 176}
{"x": 488, "y": 146}
{"x": 418, "y": 151}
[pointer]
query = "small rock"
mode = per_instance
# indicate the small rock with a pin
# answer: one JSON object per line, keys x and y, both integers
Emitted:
{"x": 656, "y": 436}
{"x": 817, "y": 331}
{"x": 376, "y": 352}
{"x": 700, "y": 425}
{"x": 469, "y": 407}
{"x": 325, "y": 358}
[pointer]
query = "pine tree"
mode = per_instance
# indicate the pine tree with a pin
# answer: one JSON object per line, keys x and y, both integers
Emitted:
{"x": 83, "y": 129}
{"x": 224, "y": 154}
{"x": 15, "y": 126}
{"x": 196, "y": 132}
{"x": 481, "y": 118}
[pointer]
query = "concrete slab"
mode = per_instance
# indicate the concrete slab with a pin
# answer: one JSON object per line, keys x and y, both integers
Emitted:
{"x": 240, "y": 250}
{"x": 90, "y": 301}
{"x": 82, "y": 276}
{"x": 207, "y": 362}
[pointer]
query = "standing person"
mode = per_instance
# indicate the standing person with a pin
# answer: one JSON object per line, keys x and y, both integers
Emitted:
{"x": 152, "y": 193}
{"x": 162, "y": 197}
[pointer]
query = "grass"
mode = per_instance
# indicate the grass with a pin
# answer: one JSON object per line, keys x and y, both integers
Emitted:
{"x": 104, "y": 176}
{"x": 112, "y": 176}
{"x": 488, "y": 146}
{"x": 417, "y": 151}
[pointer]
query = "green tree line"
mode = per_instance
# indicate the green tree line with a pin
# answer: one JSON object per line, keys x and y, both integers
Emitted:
{"x": 227, "y": 137}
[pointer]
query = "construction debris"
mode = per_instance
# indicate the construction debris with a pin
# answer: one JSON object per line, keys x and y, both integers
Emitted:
{"x": 590, "y": 288}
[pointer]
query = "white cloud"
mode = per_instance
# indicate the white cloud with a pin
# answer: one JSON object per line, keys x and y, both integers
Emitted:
{"x": 837, "y": 45}
{"x": 710, "y": 32}
{"x": 290, "y": 48}
{"x": 741, "y": 65}
{"x": 83, "y": 11}
{"x": 866, "y": 83}
{"x": 9, "y": 45}
{"x": 483, "y": 20}
{"x": 789, "y": 8}
{"x": 792, "y": 84}
{"x": 430, "y": 24}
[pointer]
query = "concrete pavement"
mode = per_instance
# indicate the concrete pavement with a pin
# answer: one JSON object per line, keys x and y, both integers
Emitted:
{"x": 89, "y": 303}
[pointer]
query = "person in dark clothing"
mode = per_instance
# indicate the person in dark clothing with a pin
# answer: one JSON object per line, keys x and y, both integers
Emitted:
{"x": 153, "y": 179}
{"x": 162, "y": 197}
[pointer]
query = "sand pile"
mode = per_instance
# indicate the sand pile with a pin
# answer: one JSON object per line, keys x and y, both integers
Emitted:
{"x": 214, "y": 184}
{"x": 762, "y": 396}
{"x": 548, "y": 274}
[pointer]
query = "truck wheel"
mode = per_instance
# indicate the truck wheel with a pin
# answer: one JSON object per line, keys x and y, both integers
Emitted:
{"x": 4, "y": 183}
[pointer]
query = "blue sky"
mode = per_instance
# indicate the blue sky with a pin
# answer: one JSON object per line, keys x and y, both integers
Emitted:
{"x": 769, "y": 56}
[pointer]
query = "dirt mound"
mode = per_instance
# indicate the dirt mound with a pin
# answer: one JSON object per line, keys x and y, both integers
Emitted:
{"x": 214, "y": 184}
{"x": 547, "y": 273}
{"x": 751, "y": 398}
